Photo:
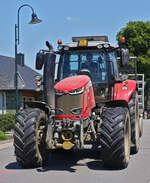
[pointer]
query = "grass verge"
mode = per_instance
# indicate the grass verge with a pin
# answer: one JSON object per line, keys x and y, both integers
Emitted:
{"x": 3, "y": 136}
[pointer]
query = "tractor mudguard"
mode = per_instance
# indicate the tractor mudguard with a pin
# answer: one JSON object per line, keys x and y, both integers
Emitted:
{"x": 124, "y": 91}
{"x": 117, "y": 103}
{"x": 40, "y": 105}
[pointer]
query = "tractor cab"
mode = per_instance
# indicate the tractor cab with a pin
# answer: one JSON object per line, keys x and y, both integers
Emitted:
{"x": 93, "y": 56}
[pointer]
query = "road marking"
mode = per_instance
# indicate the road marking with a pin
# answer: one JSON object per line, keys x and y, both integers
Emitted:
{"x": 6, "y": 173}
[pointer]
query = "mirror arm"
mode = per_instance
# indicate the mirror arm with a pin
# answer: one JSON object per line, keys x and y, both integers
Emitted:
{"x": 117, "y": 81}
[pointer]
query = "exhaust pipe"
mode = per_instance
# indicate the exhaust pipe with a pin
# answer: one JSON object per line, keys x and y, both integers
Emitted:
{"x": 49, "y": 76}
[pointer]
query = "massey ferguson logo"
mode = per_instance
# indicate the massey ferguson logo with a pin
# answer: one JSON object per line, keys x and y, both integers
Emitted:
{"x": 66, "y": 91}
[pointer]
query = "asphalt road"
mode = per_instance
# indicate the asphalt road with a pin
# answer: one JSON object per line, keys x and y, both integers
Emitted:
{"x": 78, "y": 167}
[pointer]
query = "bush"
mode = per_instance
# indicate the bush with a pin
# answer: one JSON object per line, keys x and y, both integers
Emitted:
{"x": 3, "y": 136}
{"x": 7, "y": 122}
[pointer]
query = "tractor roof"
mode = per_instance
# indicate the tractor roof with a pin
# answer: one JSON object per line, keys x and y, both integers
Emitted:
{"x": 90, "y": 41}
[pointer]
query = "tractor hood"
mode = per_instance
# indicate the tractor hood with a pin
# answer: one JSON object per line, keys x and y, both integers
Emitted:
{"x": 72, "y": 83}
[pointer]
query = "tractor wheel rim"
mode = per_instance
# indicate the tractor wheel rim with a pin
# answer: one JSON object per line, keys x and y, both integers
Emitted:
{"x": 41, "y": 139}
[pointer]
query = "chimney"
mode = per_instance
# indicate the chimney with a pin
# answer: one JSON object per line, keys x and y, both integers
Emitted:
{"x": 20, "y": 59}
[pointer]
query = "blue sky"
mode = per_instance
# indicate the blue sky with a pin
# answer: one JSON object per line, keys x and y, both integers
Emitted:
{"x": 64, "y": 19}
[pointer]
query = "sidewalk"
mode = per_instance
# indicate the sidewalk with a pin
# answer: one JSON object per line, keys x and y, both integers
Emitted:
{"x": 6, "y": 143}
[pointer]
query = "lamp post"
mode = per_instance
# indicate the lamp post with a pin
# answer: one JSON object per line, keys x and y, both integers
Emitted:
{"x": 34, "y": 20}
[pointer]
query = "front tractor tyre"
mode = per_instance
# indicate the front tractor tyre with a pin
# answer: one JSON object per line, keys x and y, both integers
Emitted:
{"x": 115, "y": 137}
{"x": 30, "y": 138}
{"x": 135, "y": 123}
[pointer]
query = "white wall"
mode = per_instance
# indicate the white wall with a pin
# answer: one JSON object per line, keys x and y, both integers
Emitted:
{"x": 2, "y": 103}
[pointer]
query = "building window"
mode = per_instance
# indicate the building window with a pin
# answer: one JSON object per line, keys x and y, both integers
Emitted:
{"x": 2, "y": 103}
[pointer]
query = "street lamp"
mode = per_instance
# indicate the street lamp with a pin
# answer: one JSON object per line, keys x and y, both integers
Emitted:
{"x": 34, "y": 20}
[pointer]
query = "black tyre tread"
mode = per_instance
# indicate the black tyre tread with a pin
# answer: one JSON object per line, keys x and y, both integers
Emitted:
{"x": 132, "y": 116}
{"x": 18, "y": 134}
{"x": 141, "y": 127}
{"x": 132, "y": 109}
{"x": 112, "y": 137}
{"x": 24, "y": 138}
{"x": 18, "y": 130}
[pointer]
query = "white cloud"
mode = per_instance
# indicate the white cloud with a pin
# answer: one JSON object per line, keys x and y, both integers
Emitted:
{"x": 72, "y": 19}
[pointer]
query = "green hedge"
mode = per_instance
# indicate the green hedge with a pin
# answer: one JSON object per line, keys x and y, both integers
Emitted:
{"x": 7, "y": 122}
{"x": 3, "y": 136}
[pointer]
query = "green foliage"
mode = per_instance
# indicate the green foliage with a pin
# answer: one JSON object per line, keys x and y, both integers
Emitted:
{"x": 137, "y": 34}
{"x": 3, "y": 136}
{"x": 7, "y": 122}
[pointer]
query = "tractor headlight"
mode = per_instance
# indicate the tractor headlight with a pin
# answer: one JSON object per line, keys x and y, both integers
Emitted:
{"x": 76, "y": 111}
{"x": 58, "y": 111}
{"x": 77, "y": 91}
{"x": 58, "y": 92}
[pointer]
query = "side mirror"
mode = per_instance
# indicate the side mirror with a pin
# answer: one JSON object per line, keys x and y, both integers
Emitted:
{"x": 39, "y": 60}
{"x": 125, "y": 57}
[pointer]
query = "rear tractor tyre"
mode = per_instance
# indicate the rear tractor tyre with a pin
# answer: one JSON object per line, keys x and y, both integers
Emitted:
{"x": 115, "y": 137}
{"x": 135, "y": 123}
{"x": 30, "y": 138}
{"x": 141, "y": 126}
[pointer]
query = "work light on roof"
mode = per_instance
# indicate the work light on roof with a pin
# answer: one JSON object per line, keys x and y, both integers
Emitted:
{"x": 66, "y": 48}
{"x": 106, "y": 45}
{"x": 60, "y": 47}
{"x": 99, "y": 46}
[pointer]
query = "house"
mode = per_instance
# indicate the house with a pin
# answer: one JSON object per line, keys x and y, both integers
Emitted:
{"x": 26, "y": 87}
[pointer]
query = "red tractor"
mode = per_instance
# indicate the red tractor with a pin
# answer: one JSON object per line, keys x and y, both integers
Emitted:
{"x": 88, "y": 103}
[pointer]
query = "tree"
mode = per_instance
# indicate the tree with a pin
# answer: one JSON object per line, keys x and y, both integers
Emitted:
{"x": 137, "y": 35}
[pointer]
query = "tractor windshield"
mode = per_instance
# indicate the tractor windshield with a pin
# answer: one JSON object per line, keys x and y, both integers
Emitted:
{"x": 91, "y": 63}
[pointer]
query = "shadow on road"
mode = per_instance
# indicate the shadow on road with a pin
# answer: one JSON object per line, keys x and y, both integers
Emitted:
{"x": 69, "y": 161}
{"x": 13, "y": 166}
